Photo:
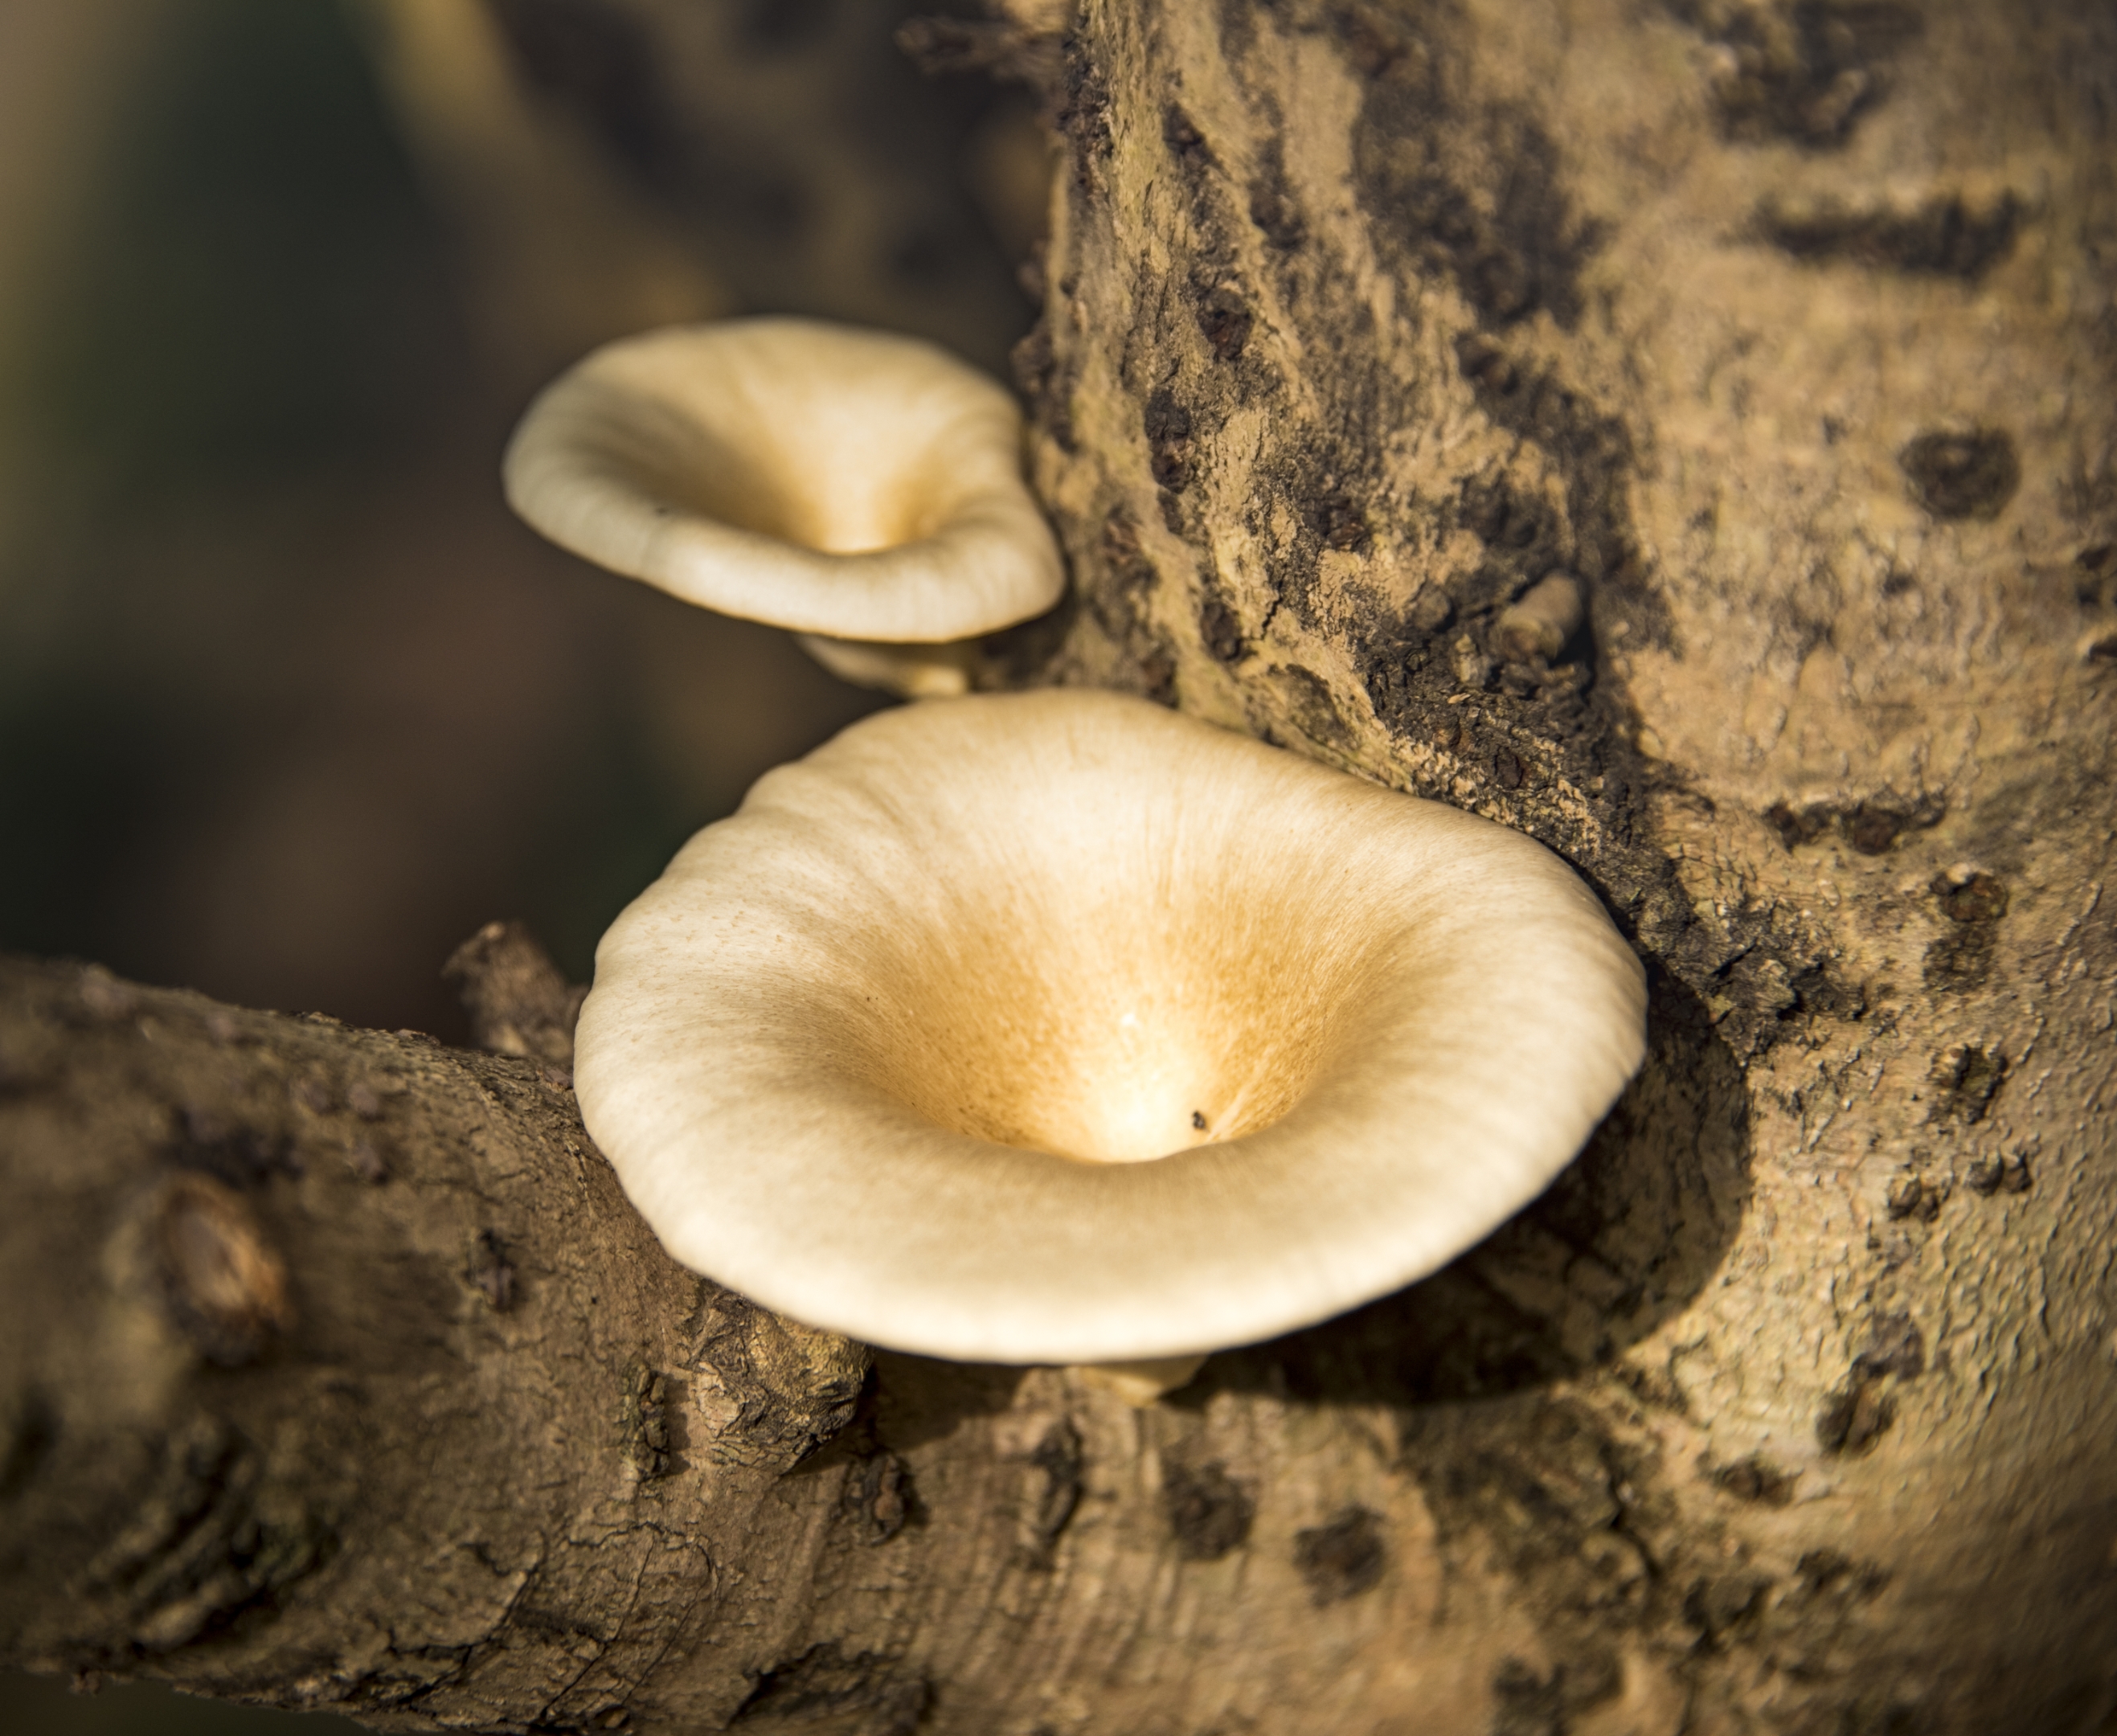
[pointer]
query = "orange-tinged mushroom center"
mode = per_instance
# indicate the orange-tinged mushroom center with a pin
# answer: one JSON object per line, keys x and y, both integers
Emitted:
{"x": 1120, "y": 1034}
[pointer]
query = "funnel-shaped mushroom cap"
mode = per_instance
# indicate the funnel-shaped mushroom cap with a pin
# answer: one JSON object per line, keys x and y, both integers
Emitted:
{"x": 846, "y": 483}
{"x": 1058, "y": 1027}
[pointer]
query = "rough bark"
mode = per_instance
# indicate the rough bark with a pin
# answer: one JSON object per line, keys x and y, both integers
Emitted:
{"x": 1782, "y": 332}
{"x": 1779, "y": 336}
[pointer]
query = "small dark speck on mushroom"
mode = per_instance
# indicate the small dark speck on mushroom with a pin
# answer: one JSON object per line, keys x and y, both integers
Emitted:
{"x": 1198, "y": 1120}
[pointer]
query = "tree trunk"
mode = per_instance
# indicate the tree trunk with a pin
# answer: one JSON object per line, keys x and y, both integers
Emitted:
{"x": 1683, "y": 434}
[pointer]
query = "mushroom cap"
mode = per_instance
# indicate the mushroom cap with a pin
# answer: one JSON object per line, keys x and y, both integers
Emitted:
{"x": 1055, "y": 1027}
{"x": 853, "y": 483}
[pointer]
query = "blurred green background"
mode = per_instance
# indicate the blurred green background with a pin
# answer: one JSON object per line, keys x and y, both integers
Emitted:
{"x": 288, "y": 703}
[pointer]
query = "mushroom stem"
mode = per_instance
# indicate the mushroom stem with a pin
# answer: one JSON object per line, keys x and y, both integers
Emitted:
{"x": 935, "y": 671}
{"x": 1139, "y": 1384}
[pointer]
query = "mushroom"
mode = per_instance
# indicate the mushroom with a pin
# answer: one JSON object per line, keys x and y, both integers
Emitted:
{"x": 1535, "y": 627}
{"x": 1056, "y": 1027}
{"x": 862, "y": 488}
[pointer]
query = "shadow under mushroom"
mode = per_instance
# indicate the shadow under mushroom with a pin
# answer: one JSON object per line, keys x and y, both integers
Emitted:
{"x": 1624, "y": 1238}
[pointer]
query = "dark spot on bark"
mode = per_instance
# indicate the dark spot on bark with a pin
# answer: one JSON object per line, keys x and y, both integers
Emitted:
{"x": 645, "y": 1410}
{"x": 1335, "y": 517}
{"x": 1854, "y": 1418}
{"x": 1082, "y": 115}
{"x": 1343, "y": 1558}
{"x": 489, "y": 1272}
{"x": 1941, "y": 238}
{"x": 1966, "y": 1080}
{"x": 1507, "y": 768}
{"x": 1798, "y": 826}
{"x": 1970, "y": 475}
{"x": 1827, "y": 1572}
{"x": 1208, "y": 1513}
{"x": 1185, "y": 142}
{"x": 1805, "y": 72}
{"x": 1157, "y": 677}
{"x": 1168, "y": 426}
{"x": 1872, "y": 830}
{"x": 1754, "y": 1479}
{"x": 1915, "y": 1197}
{"x": 823, "y": 1685}
{"x": 1551, "y": 1493}
{"x": 878, "y": 1499}
{"x": 1123, "y": 606}
{"x": 1224, "y": 318}
{"x": 1273, "y": 208}
{"x": 1124, "y": 554}
{"x": 1474, "y": 191}
{"x": 1862, "y": 1408}
{"x": 1723, "y": 1607}
{"x": 1309, "y": 703}
{"x": 242, "y": 1156}
{"x": 1218, "y": 626}
{"x": 1970, "y": 898}
{"x": 1870, "y": 827}
{"x": 1895, "y": 1346}
{"x": 1821, "y": 992}
{"x": 1049, "y": 392}
{"x": 2006, "y": 1173}
{"x": 1896, "y": 581}
{"x": 1959, "y": 961}
{"x": 2095, "y": 576}
{"x": 1057, "y": 1463}
{"x": 1526, "y": 1704}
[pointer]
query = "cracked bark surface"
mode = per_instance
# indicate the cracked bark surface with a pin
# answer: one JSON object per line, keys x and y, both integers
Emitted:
{"x": 1782, "y": 332}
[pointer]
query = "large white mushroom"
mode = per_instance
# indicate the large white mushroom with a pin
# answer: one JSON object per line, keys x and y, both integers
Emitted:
{"x": 860, "y": 488}
{"x": 1056, "y": 1027}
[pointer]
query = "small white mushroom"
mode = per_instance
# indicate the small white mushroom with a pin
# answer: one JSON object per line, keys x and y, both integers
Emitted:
{"x": 1056, "y": 1027}
{"x": 1535, "y": 627}
{"x": 862, "y": 488}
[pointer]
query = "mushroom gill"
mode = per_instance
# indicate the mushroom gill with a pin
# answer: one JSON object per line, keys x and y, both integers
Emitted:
{"x": 1058, "y": 1027}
